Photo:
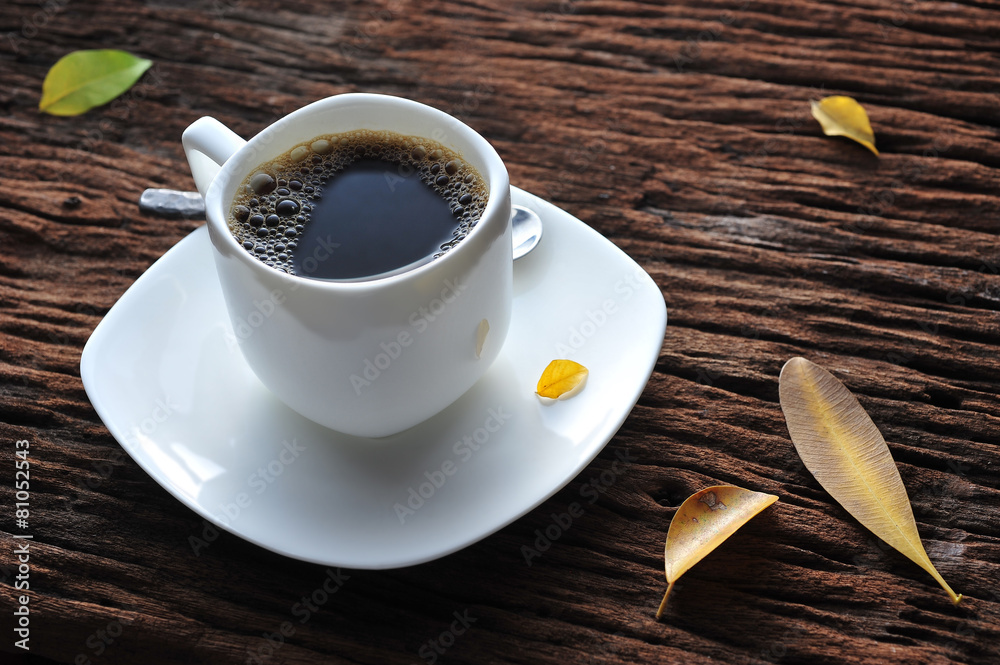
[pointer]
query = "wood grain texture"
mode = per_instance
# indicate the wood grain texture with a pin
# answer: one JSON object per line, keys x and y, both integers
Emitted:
{"x": 680, "y": 132}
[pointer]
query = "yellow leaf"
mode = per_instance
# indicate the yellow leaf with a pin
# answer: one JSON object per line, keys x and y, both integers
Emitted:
{"x": 843, "y": 449}
{"x": 562, "y": 379}
{"x": 702, "y": 522}
{"x": 844, "y": 116}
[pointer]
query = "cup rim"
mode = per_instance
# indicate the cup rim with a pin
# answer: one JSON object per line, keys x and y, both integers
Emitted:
{"x": 497, "y": 179}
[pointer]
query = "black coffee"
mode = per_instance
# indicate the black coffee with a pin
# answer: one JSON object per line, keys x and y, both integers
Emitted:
{"x": 357, "y": 205}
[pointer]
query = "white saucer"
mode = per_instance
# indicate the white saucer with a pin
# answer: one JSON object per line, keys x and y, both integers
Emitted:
{"x": 165, "y": 376}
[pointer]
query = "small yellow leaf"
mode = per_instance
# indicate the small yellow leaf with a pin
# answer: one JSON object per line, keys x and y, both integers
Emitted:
{"x": 844, "y": 116}
{"x": 562, "y": 379}
{"x": 702, "y": 522}
{"x": 842, "y": 448}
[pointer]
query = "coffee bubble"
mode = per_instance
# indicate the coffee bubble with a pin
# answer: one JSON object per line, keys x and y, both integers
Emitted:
{"x": 287, "y": 207}
{"x": 262, "y": 183}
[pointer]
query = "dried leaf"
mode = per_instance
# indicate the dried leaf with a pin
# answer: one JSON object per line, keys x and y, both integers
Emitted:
{"x": 85, "y": 79}
{"x": 843, "y": 449}
{"x": 702, "y": 522}
{"x": 481, "y": 333}
{"x": 562, "y": 379}
{"x": 844, "y": 116}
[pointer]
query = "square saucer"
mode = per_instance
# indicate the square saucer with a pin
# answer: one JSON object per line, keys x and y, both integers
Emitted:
{"x": 165, "y": 375}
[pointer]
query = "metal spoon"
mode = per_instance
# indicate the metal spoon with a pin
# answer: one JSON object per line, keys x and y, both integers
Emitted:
{"x": 527, "y": 227}
{"x": 526, "y": 224}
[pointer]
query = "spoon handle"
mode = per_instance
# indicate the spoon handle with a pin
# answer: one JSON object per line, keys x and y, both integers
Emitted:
{"x": 172, "y": 203}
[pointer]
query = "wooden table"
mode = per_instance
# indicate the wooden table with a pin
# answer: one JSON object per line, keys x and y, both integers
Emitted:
{"x": 682, "y": 133}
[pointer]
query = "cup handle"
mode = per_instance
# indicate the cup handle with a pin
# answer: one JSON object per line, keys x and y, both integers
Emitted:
{"x": 208, "y": 144}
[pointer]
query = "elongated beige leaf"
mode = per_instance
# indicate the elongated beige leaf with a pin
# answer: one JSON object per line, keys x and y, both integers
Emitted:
{"x": 844, "y": 116}
{"x": 561, "y": 380}
{"x": 702, "y": 522}
{"x": 843, "y": 449}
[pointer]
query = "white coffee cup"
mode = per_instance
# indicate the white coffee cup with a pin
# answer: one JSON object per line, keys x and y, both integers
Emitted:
{"x": 375, "y": 357}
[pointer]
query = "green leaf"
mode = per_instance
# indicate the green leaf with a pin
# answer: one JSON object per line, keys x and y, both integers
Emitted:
{"x": 85, "y": 79}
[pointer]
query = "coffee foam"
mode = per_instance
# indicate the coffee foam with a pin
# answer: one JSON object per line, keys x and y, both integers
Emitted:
{"x": 272, "y": 205}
